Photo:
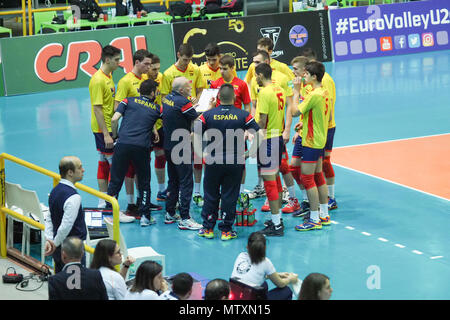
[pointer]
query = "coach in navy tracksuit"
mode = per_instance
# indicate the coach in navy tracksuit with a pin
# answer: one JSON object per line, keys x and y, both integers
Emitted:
{"x": 224, "y": 162}
{"x": 134, "y": 142}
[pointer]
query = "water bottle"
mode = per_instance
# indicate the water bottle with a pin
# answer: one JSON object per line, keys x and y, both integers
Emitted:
{"x": 109, "y": 13}
{"x": 132, "y": 271}
{"x": 130, "y": 11}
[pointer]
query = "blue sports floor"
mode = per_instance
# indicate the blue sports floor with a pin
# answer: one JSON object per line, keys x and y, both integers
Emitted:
{"x": 387, "y": 241}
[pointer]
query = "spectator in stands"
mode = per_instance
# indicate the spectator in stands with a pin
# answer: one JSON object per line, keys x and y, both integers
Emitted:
{"x": 149, "y": 283}
{"x": 89, "y": 9}
{"x": 75, "y": 282}
{"x": 314, "y": 4}
{"x": 252, "y": 268}
{"x": 123, "y": 7}
{"x": 107, "y": 255}
{"x": 316, "y": 286}
{"x": 217, "y": 289}
{"x": 181, "y": 288}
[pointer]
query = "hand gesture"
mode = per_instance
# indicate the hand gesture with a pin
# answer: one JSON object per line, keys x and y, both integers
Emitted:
{"x": 49, "y": 247}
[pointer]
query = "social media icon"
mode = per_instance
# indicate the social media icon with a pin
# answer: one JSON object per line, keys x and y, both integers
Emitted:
{"x": 414, "y": 40}
{"x": 400, "y": 42}
{"x": 386, "y": 43}
{"x": 427, "y": 39}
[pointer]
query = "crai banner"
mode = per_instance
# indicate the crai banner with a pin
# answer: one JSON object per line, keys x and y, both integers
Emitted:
{"x": 385, "y": 30}
{"x": 290, "y": 33}
{"x": 68, "y": 60}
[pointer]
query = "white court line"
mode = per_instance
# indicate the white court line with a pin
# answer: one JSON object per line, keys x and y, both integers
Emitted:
{"x": 393, "y": 140}
{"x": 436, "y": 257}
{"x": 400, "y": 246}
{"x": 390, "y": 181}
{"x": 417, "y": 252}
{"x": 366, "y": 233}
{"x": 349, "y": 228}
{"x": 383, "y": 239}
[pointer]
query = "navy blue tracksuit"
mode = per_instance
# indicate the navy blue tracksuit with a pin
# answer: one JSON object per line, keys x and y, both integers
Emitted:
{"x": 139, "y": 117}
{"x": 178, "y": 114}
{"x": 224, "y": 162}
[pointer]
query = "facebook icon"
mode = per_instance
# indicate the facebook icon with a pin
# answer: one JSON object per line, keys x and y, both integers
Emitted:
{"x": 400, "y": 42}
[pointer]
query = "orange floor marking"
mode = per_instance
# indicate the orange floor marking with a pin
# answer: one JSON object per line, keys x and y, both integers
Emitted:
{"x": 420, "y": 163}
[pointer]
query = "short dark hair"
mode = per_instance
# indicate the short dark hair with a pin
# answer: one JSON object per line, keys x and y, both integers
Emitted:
{"x": 256, "y": 247}
{"x": 109, "y": 51}
{"x": 185, "y": 49}
{"x": 104, "y": 249}
{"x": 309, "y": 53}
{"x": 155, "y": 59}
{"x": 145, "y": 274}
{"x": 140, "y": 55}
{"x": 65, "y": 165}
{"x": 217, "y": 289}
{"x": 265, "y": 70}
{"x": 226, "y": 93}
{"x": 266, "y": 42}
{"x": 212, "y": 49}
{"x": 147, "y": 87}
{"x": 311, "y": 286}
{"x": 182, "y": 283}
{"x": 315, "y": 68}
{"x": 264, "y": 54}
{"x": 227, "y": 60}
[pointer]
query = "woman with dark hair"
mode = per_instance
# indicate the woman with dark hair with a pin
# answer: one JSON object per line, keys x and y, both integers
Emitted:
{"x": 107, "y": 255}
{"x": 316, "y": 286}
{"x": 253, "y": 267}
{"x": 149, "y": 283}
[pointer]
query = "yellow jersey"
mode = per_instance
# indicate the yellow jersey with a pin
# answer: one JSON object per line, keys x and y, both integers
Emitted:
{"x": 192, "y": 73}
{"x": 276, "y": 65}
{"x": 328, "y": 84}
{"x": 102, "y": 91}
{"x": 158, "y": 80}
{"x": 271, "y": 101}
{"x": 278, "y": 78}
{"x": 128, "y": 86}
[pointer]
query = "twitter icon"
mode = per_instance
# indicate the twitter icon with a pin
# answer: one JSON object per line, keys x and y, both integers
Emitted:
{"x": 414, "y": 40}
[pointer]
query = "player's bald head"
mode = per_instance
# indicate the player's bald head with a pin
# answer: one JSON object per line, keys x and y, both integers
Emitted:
{"x": 179, "y": 83}
{"x": 68, "y": 163}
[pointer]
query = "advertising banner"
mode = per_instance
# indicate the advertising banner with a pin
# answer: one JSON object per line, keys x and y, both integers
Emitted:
{"x": 290, "y": 33}
{"x": 68, "y": 60}
{"x": 391, "y": 29}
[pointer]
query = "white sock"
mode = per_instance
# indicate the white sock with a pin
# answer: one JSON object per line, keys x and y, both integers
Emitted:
{"x": 161, "y": 187}
{"x": 331, "y": 191}
{"x": 276, "y": 218}
{"x": 196, "y": 187}
{"x": 260, "y": 181}
{"x": 314, "y": 216}
{"x": 304, "y": 195}
{"x": 324, "y": 210}
{"x": 242, "y": 188}
{"x": 130, "y": 199}
{"x": 291, "y": 191}
{"x": 101, "y": 202}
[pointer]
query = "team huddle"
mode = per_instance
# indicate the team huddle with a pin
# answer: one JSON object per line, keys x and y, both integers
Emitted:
{"x": 248, "y": 118}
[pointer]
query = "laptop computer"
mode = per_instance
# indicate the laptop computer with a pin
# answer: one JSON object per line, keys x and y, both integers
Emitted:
{"x": 95, "y": 223}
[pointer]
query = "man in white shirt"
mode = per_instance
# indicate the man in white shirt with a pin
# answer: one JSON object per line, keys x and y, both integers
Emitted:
{"x": 66, "y": 214}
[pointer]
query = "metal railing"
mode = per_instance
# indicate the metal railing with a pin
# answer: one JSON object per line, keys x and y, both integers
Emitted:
{"x": 56, "y": 177}
{"x": 24, "y": 12}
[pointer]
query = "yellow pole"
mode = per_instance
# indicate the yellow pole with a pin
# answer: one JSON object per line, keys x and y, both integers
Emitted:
{"x": 24, "y": 19}
{"x": 2, "y": 215}
{"x": 30, "y": 19}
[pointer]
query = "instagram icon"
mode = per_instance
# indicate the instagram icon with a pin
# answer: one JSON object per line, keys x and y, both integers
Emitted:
{"x": 427, "y": 39}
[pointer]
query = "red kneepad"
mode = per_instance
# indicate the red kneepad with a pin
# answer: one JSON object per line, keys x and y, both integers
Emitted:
{"x": 160, "y": 162}
{"x": 279, "y": 185}
{"x": 131, "y": 172}
{"x": 319, "y": 179}
{"x": 103, "y": 170}
{"x": 308, "y": 181}
{"x": 327, "y": 168}
{"x": 271, "y": 190}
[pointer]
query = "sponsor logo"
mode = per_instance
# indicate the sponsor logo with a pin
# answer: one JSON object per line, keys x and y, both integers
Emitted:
{"x": 273, "y": 33}
{"x": 298, "y": 35}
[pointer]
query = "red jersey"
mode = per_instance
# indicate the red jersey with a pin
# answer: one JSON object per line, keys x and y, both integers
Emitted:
{"x": 240, "y": 90}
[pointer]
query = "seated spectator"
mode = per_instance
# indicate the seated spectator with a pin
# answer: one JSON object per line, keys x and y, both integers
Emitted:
{"x": 123, "y": 7}
{"x": 314, "y": 4}
{"x": 252, "y": 268}
{"x": 316, "y": 286}
{"x": 149, "y": 283}
{"x": 107, "y": 255}
{"x": 217, "y": 289}
{"x": 89, "y": 9}
{"x": 181, "y": 288}
{"x": 75, "y": 282}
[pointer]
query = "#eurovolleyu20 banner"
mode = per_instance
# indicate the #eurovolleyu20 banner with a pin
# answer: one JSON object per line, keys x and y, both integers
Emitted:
{"x": 391, "y": 29}
{"x": 290, "y": 33}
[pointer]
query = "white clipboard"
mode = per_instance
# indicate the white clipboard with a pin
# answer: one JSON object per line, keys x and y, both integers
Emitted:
{"x": 203, "y": 103}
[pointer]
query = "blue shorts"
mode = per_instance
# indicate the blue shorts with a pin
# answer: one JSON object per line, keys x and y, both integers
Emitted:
{"x": 330, "y": 138}
{"x": 297, "y": 152}
{"x": 270, "y": 154}
{"x": 100, "y": 143}
{"x": 312, "y": 155}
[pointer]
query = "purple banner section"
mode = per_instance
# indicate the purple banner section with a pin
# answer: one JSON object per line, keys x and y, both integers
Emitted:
{"x": 390, "y": 29}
